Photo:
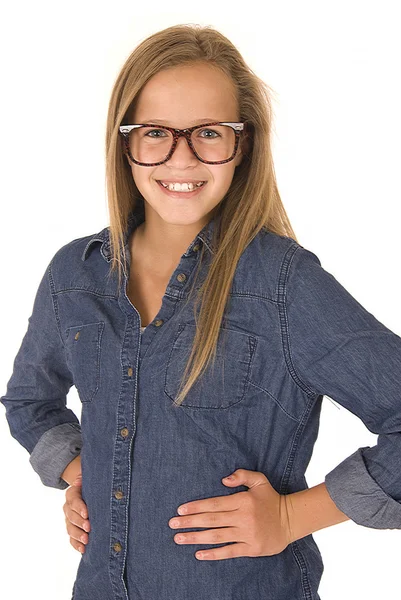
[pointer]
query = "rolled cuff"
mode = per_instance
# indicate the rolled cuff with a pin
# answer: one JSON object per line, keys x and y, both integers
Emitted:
{"x": 55, "y": 449}
{"x": 357, "y": 495}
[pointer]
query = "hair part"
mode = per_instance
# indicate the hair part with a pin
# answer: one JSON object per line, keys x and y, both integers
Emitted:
{"x": 252, "y": 202}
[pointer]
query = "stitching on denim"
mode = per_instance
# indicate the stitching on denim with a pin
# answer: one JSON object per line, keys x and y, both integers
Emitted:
{"x": 98, "y": 353}
{"x": 274, "y": 400}
{"x": 95, "y": 238}
{"x": 54, "y": 302}
{"x": 306, "y": 588}
{"x": 100, "y": 329}
{"x": 252, "y": 342}
{"x": 300, "y": 560}
{"x": 283, "y": 318}
{"x": 137, "y": 362}
{"x": 116, "y": 452}
{"x": 88, "y": 290}
{"x": 294, "y": 447}
{"x": 253, "y": 296}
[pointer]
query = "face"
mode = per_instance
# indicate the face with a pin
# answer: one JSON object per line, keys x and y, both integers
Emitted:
{"x": 182, "y": 97}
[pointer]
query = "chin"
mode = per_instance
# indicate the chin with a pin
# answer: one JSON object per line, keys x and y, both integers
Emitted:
{"x": 182, "y": 219}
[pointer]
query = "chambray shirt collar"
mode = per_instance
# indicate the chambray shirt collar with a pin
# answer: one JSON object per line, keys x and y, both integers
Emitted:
{"x": 135, "y": 218}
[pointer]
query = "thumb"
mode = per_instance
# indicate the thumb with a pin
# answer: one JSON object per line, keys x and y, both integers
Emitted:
{"x": 245, "y": 477}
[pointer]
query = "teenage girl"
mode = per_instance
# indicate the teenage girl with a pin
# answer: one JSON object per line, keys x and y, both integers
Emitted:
{"x": 201, "y": 337}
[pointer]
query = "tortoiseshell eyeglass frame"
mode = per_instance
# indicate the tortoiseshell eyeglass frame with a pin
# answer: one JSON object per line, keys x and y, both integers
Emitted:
{"x": 125, "y": 130}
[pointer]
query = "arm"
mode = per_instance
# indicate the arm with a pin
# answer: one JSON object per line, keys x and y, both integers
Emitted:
{"x": 72, "y": 470}
{"x": 35, "y": 399}
{"x": 335, "y": 347}
{"x": 310, "y": 510}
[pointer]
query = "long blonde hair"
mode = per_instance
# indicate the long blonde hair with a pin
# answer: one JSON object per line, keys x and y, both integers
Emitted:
{"x": 252, "y": 202}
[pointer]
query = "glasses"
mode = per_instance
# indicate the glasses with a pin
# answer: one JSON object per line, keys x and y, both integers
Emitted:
{"x": 149, "y": 145}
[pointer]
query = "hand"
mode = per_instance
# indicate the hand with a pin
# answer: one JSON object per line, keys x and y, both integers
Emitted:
{"x": 76, "y": 516}
{"x": 256, "y": 519}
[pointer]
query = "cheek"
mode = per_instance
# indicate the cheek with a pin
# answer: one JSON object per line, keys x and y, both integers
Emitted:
{"x": 223, "y": 177}
{"x": 142, "y": 176}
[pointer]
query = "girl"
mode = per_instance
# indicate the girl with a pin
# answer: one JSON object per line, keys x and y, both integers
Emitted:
{"x": 201, "y": 337}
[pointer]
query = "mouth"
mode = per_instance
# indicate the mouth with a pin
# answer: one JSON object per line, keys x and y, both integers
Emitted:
{"x": 185, "y": 187}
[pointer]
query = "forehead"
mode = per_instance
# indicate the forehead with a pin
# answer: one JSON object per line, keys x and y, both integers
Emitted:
{"x": 188, "y": 92}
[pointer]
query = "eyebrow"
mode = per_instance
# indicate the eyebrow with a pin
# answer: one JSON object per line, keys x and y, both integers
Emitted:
{"x": 163, "y": 121}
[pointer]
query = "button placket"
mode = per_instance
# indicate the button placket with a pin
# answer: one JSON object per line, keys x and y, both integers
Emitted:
{"x": 180, "y": 277}
{"x": 125, "y": 432}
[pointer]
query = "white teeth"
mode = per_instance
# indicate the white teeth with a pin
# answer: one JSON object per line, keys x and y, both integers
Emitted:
{"x": 181, "y": 187}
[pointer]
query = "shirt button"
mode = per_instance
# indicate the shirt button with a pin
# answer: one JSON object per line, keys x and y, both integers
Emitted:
{"x": 130, "y": 371}
{"x": 124, "y": 432}
{"x": 158, "y": 322}
{"x": 196, "y": 248}
{"x": 118, "y": 494}
{"x": 117, "y": 547}
{"x": 181, "y": 277}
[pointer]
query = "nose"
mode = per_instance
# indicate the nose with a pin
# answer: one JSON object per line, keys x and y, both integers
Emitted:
{"x": 182, "y": 154}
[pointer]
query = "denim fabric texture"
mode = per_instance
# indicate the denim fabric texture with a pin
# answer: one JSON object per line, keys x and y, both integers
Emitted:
{"x": 291, "y": 334}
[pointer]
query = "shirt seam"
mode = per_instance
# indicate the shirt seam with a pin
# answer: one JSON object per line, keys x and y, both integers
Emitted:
{"x": 283, "y": 318}
{"x": 54, "y": 303}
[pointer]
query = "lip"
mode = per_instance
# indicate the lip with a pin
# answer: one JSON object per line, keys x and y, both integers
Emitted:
{"x": 181, "y": 195}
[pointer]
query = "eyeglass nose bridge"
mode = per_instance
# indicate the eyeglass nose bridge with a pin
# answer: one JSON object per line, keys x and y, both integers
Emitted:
{"x": 177, "y": 133}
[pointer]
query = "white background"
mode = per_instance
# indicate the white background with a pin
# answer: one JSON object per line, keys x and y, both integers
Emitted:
{"x": 334, "y": 67}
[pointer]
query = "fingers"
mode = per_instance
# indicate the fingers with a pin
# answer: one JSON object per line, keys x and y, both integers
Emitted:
{"x": 77, "y": 545}
{"x": 76, "y": 520}
{"x": 73, "y": 497}
{"x": 78, "y": 537}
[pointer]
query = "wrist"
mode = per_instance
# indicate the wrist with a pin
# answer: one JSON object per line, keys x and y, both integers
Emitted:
{"x": 72, "y": 470}
{"x": 310, "y": 510}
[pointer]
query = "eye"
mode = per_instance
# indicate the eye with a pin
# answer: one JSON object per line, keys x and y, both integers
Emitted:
{"x": 148, "y": 132}
{"x": 216, "y": 134}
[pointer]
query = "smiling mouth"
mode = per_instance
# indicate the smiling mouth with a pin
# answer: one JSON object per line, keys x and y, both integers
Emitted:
{"x": 184, "y": 187}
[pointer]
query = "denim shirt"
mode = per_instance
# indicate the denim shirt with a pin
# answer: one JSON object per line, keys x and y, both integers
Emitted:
{"x": 291, "y": 334}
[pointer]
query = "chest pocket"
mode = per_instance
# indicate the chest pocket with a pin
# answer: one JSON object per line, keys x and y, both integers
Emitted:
{"x": 83, "y": 344}
{"x": 223, "y": 383}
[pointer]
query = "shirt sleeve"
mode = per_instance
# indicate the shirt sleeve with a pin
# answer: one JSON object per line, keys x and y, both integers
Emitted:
{"x": 35, "y": 399}
{"x": 339, "y": 349}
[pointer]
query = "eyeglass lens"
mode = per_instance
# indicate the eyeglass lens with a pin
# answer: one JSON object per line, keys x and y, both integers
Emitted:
{"x": 151, "y": 145}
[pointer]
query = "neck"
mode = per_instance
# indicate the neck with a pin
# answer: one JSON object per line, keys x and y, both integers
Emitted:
{"x": 158, "y": 245}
